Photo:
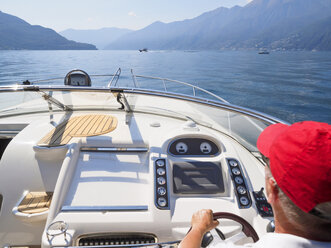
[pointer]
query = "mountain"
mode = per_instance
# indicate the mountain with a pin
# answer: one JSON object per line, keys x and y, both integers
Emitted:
{"x": 100, "y": 37}
{"x": 17, "y": 34}
{"x": 316, "y": 36}
{"x": 261, "y": 23}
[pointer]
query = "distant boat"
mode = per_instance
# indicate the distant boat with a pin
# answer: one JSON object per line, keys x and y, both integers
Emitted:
{"x": 263, "y": 51}
{"x": 143, "y": 50}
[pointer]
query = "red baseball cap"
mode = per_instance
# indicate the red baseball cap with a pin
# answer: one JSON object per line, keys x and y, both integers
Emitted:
{"x": 300, "y": 160}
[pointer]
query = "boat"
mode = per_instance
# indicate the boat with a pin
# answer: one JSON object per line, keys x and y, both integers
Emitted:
{"x": 143, "y": 50}
{"x": 264, "y": 51}
{"x": 113, "y": 166}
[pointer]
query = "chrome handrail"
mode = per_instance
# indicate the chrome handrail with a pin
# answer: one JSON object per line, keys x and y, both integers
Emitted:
{"x": 117, "y": 76}
{"x": 164, "y": 80}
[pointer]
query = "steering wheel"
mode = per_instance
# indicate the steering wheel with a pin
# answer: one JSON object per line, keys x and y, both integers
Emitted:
{"x": 215, "y": 235}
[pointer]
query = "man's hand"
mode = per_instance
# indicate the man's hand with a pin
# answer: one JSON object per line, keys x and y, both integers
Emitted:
{"x": 202, "y": 222}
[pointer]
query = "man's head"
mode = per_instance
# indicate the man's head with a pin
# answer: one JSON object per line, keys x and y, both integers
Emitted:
{"x": 300, "y": 162}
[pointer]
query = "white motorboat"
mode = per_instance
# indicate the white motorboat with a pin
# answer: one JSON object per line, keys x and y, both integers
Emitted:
{"x": 111, "y": 166}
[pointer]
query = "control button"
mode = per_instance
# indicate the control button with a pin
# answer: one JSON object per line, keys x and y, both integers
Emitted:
{"x": 161, "y": 180}
{"x": 181, "y": 148}
{"x": 160, "y": 162}
{"x": 161, "y": 190}
{"x": 236, "y": 171}
{"x": 241, "y": 190}
{"x": 233, "y": 163}
{"x": 244, "y": 200}
{"x": 205, "y": 148}
{"x": 160, "y": 171}
{"x": 238, "y": 180}
{"x": 162, "y": 202}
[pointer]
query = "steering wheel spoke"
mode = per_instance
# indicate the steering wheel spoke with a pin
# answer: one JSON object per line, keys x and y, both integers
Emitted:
{"x": 237, "y": 236}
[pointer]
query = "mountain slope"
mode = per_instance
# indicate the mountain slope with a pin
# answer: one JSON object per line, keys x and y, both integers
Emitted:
{"x": 15, "y": 33}
{"x": 258, "y": 24}
{"x": 100, "y": 37}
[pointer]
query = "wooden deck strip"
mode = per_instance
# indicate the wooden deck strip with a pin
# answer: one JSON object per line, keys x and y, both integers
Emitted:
{"x": 72, "y": 124}
{"x": 99, "y": 120}
{"x": 35, "y": 202}
{"x": 87, "y": 125}
{"x": 79, "y": 126}
{"x": 56, "y": 133}
{"x": 93, "y": 123}
{"x": 51, "y": 134}
{"x": 101, "y": 125}
{"x": 85, "y": 119}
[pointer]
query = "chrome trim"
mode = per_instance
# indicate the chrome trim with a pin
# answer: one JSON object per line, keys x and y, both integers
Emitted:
{"x": 114, "y": 149}
{"x": 159, "y": 245}
{"x": 103, "y": 208}
{"x": 62, "y": 230}
{"x": 8, "y": 134}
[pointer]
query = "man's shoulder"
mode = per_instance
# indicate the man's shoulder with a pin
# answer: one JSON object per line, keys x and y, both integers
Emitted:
{"x": 279, "y": 240}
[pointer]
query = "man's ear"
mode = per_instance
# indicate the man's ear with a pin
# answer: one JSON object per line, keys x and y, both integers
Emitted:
{"x": 272, "y": 190}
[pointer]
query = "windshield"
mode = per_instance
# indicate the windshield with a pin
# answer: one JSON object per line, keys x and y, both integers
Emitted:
{"x": 243, "y": 126}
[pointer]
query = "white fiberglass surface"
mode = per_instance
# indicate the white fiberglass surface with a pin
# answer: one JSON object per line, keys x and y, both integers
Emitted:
{"x": 105, "y": 179}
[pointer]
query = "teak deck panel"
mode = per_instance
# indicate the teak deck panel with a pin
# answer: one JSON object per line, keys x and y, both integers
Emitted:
{"x": 79, "y": 126}
{"x": 35, "y": 202}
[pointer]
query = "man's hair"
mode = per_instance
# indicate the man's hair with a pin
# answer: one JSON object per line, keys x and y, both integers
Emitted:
{"x": 316, "y": 226}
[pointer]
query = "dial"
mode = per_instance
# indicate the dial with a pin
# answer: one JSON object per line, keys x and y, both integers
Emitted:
{"x": 244, "y": 200}
{"x": 161, "y": 180}
{"x": 162, "y": 202}
{"x": 205, "y": 148}
{"x": 238, "y": 180}
{"x": 233, "y": 163}
{"x": 181, "y": 148}
{"x": 241, "y": 190}
{"x": 236, "y": 171}
{"x": 161, "y": 190}
{"x": 160, "y": 162}
{"x": 160, "y": 171}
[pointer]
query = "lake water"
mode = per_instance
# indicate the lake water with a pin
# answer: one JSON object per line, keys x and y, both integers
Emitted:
{"x": 292, "y": 86}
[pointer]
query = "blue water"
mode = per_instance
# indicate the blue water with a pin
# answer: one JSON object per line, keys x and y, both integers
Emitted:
{"x": 292, "y": 86}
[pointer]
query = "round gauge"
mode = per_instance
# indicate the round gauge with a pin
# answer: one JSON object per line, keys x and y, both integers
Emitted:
{"x": 205, "y": 148}
{"x": 160, "y": 171}
{"x": 236, "y": 171}
{"x": 244, "y": 200}
{"x": 233, "y": 163}
{"x": 162, "y": 202}
{"x": 161, "y": 190}
{"x": 181, "y": 148}
{"x": 160, "y": 162}
{"x": 161, "y": 180}
{"x": 241, "y": 190}
{"x": 238, "y": 180}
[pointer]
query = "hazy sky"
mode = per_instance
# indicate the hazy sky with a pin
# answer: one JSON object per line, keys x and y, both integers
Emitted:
{"x": 94, "y": 14}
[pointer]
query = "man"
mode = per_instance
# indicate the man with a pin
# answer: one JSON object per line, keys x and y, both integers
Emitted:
{"x": 298, "y": 186}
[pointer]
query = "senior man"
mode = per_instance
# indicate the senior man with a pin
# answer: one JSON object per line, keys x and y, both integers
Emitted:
{"x": 298, "y": 186}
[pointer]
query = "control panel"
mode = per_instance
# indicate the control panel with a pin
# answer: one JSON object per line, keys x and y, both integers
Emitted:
{"x": 161, "y": 185}
{"x": 262, "y": 204}
{"x": 241, "y": 190}
{"x": 193, "y": 147}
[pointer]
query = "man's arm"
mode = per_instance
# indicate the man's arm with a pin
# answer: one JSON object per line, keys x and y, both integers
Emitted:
{"x": 202, "y": 222}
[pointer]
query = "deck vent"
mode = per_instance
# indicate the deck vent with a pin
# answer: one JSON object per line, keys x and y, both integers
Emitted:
{"x": 117, "y": 239}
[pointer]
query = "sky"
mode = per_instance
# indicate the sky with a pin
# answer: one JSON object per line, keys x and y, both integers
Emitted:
{"x": 94, "y": 14}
